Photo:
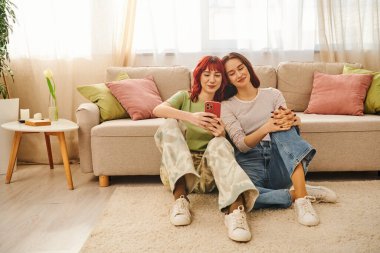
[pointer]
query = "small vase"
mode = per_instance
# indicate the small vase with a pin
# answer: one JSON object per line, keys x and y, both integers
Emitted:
{"x": 53, "y": 109}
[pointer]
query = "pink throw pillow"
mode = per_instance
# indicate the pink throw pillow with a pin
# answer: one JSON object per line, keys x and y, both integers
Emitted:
{"x": 338, "y": 94}
{"x": 137, "y": 96}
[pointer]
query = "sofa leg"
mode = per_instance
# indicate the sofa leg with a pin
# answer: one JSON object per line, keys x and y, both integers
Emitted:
{"x": 104, "y": 181}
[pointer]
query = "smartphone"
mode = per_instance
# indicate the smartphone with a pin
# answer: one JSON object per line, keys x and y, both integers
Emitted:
{"x": 213, "y": 107}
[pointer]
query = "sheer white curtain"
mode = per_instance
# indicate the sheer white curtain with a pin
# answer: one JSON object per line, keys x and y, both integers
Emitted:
{"x": 77, "y": 40}
{"x": 350, "y": 31}
{"x": 267, "y": 31}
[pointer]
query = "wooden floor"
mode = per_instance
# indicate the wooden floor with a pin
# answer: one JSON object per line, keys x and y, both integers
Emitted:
{"x": 39, "y": 214}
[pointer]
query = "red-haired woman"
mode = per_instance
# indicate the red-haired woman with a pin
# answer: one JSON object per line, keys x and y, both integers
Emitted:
{"x": 196, "y": 157}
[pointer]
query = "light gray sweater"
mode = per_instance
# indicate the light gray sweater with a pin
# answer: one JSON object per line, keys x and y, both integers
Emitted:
{"x": 244, "y": 117}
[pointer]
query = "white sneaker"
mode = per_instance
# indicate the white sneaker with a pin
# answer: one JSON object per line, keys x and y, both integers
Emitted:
{"x": 321, "y": 193}
{"x": 305, "y": 212}
{"x": 180, "y": 213}
{"x": 237, "y": 225}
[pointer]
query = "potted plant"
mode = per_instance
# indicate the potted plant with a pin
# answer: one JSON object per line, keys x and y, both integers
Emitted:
{"x": 7, "y": 19}
{"x": 8, "y": 107}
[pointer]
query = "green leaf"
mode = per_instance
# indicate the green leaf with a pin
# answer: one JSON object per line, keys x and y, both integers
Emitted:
{"x": 51, "y": 88}
{"x": 7, "y": 19}
{"x": 3, "y": 91}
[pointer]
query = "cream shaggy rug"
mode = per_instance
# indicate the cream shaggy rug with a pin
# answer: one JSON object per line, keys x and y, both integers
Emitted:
{"x": 136, "y": 220}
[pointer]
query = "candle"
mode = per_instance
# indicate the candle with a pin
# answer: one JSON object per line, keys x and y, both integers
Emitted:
{"x": 24, "y": 114}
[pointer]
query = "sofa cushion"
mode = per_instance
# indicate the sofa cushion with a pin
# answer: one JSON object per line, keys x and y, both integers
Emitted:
{"x": 115, "y": 156}
{"x": 319, "y": 123}
{"x": 100, "y": 95}
{"x": 169, "y": 80}
{"x": 267, "y": 75}
{"x": 127, "y": 127}
{"x": 339, "y": 94}
{"x": 138, "y": 96}
{"x": 295, "y": 80}
{"x": 372, "y": 101}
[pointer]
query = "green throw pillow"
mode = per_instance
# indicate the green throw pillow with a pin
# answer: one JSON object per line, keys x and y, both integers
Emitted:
{"x": 108, "y": 105}
{"x": 100, "y": 95}
{"x": 122, "y": 76}
{"x": 372, "y": 101}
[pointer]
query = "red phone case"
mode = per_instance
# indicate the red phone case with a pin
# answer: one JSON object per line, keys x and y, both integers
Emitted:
{"x": 213, "y": 107}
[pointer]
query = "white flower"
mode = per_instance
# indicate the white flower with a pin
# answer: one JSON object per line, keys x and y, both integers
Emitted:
{"x": 48, "y": 73}
{"x": 50, "y": 82}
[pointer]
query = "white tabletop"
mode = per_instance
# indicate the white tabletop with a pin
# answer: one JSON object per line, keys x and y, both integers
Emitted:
{"x": 62, "y": 125}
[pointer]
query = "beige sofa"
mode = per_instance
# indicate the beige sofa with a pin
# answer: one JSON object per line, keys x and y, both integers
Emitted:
{"x": 126, "y": 147}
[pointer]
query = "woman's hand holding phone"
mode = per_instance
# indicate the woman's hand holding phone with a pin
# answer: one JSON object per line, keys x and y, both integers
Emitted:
{"x": 213, "y": 107}
{"x": 209, "y": 122}
{"x": 217, "y": 128}
{"x": 203, "y": 119}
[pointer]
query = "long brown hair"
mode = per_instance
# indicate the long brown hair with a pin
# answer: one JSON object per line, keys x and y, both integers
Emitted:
{"x": 230, "y": 89}
{"x": 211, "y": 63}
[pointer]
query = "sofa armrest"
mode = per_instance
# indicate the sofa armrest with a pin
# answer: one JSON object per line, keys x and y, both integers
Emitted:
{"x": 87, "y": 117}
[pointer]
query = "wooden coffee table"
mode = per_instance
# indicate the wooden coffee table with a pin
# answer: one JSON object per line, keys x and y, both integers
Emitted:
{"x": 57, "y": 128}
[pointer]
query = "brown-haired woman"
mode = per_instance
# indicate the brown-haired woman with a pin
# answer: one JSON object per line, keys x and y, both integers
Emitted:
{"x": 268, "y": 145}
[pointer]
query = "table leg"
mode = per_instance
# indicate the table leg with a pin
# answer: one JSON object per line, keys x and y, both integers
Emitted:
{"x": 65, "y": 157}
{"x": 48, "y": 147}
{"x": 12, "y": 158}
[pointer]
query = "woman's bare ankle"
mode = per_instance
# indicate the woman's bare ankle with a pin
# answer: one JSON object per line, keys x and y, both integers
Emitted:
{"x": 292, "y": 195}
{"x": 178, "y": 194}
{"x": 180, "y": 189}
{"x": 299, "y": 194}
{"x": 238, "y": 202}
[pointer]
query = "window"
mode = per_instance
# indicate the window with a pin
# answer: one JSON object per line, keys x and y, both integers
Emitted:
{"x": 167, "y": 26}
{"x": 52, "y": 29}
{"x": 223, "y": 25}
{"x": 56, "y": 29}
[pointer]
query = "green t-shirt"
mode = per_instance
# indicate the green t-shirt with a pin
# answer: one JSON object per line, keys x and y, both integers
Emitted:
{"x": 197, "y": 138}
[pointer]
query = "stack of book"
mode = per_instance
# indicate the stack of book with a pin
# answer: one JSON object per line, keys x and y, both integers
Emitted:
{"x": 38, "y": 122}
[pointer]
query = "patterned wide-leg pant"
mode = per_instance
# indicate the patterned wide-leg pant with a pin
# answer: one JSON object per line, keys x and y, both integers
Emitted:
{"x": 216, "y": 167}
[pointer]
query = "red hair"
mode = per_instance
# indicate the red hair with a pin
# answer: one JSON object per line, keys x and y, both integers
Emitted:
{"x": 212, "y": 63}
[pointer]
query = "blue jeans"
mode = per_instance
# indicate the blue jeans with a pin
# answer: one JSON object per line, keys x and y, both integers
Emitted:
{"x": 271, "y": 164}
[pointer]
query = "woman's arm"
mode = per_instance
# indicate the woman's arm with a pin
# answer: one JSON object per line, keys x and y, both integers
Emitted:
{"x": 282, "y": 120}
{"x": 233, "y": 127}
{"x": 217, "y": 129}
{"x": 201, "y": 119}
{"x": 272, "y": 125}
{"x": 243, "y": 141}
{"x": 165, "y": 110}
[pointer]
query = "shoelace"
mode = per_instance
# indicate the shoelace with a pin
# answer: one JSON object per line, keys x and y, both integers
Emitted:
{"x": 318, "y": 193}
{"x": 239, "y": 219}
{"x": 306, "y": 205}
{"x": 312, "y": 199}
{"x": 180, "y": 208}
